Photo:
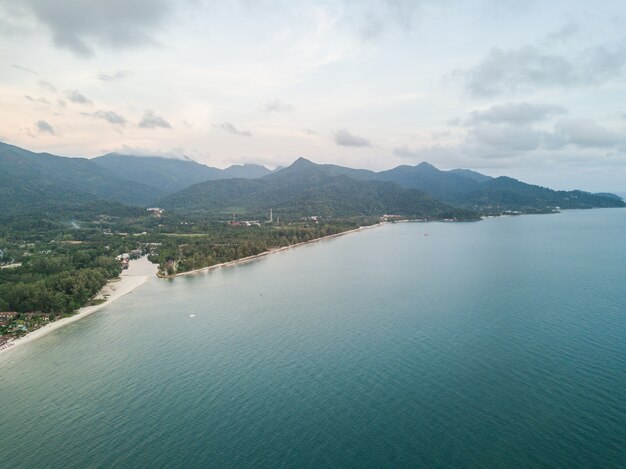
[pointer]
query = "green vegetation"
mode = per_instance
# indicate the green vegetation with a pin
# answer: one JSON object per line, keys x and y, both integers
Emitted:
{"x": 227, "y": 242}
{"x": 306, "y": 189}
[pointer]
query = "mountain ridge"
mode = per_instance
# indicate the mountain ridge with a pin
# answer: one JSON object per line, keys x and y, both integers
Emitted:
{"x": 29, "y": 181}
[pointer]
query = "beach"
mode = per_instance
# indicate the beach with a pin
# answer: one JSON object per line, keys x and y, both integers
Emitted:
{"x": 245, "y": 260}
{"x": 138, "y": 272}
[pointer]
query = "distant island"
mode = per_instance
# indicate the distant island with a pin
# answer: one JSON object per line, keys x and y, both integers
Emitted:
{"x": 69, "y": 225}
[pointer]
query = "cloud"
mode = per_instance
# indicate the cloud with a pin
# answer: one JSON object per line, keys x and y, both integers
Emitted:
{"x": 174, "y": 153}
{"x": 42, "y": 101}
{"x": 515, "y": 113}
{"x": 567, "y": 31}
{"x": 313, "y": 132}
{"x": 530, "y": 67}
{"x": 47, "y": 86}
{"x": 24, "y": 69}
{"x": 586, "y": 133}
{"x": 151, "y": 121}
{"x": 344, "y": 138}
{"x": 510, "y": 140}
{"x": 113, "y": 76}
{"x": 405, "y": 152}
{"x": 371, "y": 19}
{"x": 79, "y": 25}
{"x": 507, "y": 138}
{"x": 44, "y": 127}
{"x": 231, "y": 129}
{"x": 110, "y": 116}
{"x": 276, "y": 105}
{"x": 76, "y": 97}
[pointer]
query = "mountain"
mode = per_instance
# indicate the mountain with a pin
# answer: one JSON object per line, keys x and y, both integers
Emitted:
{"x": 246, "y": 171}
{"x": 308, "y": 189}
{"x": 37, "y": 181}
{"x": 505, "y": 193}
{"x": 609, "y": 195}
{"x": 443, "y": 185}
{"x": 468, "y": 173}
{"x": 468, "y": 189}
{"x": 40, "y": 182}
{"x": 171, "y": 175}
{"x": 166, "y": 174}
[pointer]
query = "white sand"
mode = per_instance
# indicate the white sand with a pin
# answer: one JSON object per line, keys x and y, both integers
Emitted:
{"x": 139, "y": 271}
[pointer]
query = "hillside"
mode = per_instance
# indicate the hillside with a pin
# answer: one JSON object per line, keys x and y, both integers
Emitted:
{"x": 448, "y": 186}
{"x": 246, "y": 171}
{"x": 172, "y": 175}
{"x": 39, "y": 181}
{"x": 466, "y": 188}
{"x": 307, "y": 189}
{"x": 169, "y": 175}
{"x": 504, "y": 193}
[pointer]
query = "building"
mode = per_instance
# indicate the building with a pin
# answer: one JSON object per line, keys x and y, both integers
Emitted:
{"x": 156, "y": 211}
{"x": 8, "y": 316}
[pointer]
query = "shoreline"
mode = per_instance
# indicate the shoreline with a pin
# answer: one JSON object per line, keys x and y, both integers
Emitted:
{"x": 245, "y": 260}
{"x": 128, "y": 281}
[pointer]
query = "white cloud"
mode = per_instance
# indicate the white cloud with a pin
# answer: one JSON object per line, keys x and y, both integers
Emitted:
{"x": 231, "y": 129}
{"x": 151, "y": 120}
{"x": 276, "y": 105}
{"x": 110, "y": 116}
{"x": 78, "y": 98}
{"x": 587, "y": 134}
{"x": 79, "y": 25}
{"x": 44, "y": 127}
{"x": 530, "y": 67}
{"x": 515, "y": 113}
{"x": 346, "y": 139}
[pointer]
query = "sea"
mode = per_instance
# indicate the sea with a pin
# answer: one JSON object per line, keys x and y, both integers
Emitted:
{"x": 499, "y": 343}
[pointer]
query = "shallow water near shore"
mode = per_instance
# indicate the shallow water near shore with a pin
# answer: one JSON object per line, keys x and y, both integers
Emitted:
{"x": 500, "y": 343}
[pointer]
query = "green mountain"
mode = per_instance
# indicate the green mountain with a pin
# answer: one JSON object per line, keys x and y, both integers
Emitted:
{"x": 246, "y": 171}
{"x": 447, "y": 186}
{"x": 475, "y": 191}
{"x": 166, "y": 174}
{"x": 32, "y": 182}
{"x": 504, "y": 193}
{"x": 308, "y": 189}
{"x": 171, "y": 175}
{"x": 39, "y": 182}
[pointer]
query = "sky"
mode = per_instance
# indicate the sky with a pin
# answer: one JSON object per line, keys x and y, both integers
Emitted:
{"x": 531, "y": 89}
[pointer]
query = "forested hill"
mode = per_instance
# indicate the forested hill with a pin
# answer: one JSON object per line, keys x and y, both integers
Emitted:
{"x": 307, "y": 189}
{"x": 29, "y": 181}
{"x": 171, "y": 175}
{"x": 34, "y": 182}
{"x": 504, "y": 193}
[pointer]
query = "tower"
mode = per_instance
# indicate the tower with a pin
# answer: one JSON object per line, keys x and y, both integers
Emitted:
{"x": 271, "y": 218}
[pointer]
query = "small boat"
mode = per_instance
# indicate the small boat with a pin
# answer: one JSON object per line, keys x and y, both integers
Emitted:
{"x": 192, "y": 315}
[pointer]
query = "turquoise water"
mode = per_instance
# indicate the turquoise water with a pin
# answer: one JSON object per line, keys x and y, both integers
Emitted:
{"x": 493, "y": 344}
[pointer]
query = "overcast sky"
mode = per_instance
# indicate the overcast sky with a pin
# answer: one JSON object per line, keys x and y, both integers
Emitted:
{"x": 531, "y": 89}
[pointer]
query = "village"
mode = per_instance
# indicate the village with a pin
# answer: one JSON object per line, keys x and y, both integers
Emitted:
{"x": 14, "y": 325}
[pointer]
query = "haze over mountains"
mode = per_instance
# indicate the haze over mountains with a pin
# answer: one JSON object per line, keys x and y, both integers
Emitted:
{"x": 30, "y": 181}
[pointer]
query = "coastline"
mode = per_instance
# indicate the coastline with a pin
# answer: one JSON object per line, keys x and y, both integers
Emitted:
{"x": 245, "y": 260}
{"x": 137, "y": 274}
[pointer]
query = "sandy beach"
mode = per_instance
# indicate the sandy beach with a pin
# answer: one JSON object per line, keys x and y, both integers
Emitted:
{"x": 244, "y": 260}
{"x": 139, "y": 271}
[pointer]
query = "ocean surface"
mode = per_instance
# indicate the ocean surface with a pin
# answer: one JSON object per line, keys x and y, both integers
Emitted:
{"x": 500, "y": 343}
